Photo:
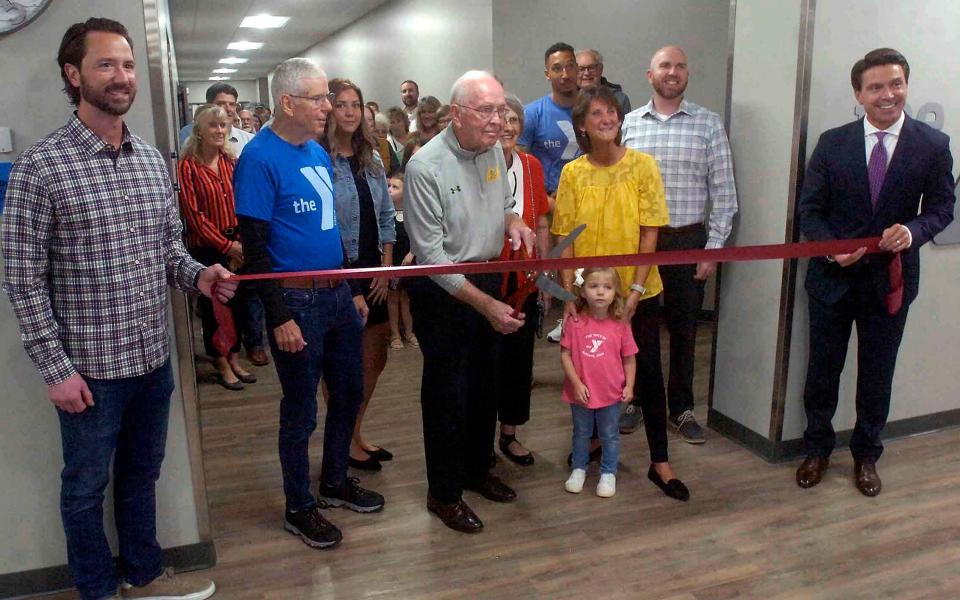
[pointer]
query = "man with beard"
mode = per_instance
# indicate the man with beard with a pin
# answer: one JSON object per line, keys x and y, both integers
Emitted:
{"x": 91, "y": 237}
{"x": 695, "y": 162}
{"x": 548, "y": 130}
{"x": 590, "y": 69}
{"x": 458, "y": 207}
{"x": 410, "y": 96}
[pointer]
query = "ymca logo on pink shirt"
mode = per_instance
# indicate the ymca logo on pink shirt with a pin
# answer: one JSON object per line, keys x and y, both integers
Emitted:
{"x": 595, "y": 340}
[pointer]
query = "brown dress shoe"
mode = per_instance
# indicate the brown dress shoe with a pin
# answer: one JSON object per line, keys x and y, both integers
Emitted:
{"x": 456, "y": 516}
{"x": 258, "y": 357}
{"x": 811, "y": 471}
{"x": 866, "y": 479}
{"x": 492, "y": 488}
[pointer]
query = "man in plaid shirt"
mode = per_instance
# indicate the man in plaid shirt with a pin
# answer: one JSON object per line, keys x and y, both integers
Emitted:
{"x": 695, "y": 162}
{"x": 91, "y": 238}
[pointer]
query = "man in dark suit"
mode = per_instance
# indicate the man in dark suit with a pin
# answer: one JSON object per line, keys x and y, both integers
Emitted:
{"x": 867, "y": 179}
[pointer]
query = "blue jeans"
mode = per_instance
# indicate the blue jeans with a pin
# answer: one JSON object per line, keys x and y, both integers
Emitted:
{"x": 607, "y": 420}
{"x": 128, "y": 422}
{"x": 251, "y": 328}
{"x": 333, "y": 332}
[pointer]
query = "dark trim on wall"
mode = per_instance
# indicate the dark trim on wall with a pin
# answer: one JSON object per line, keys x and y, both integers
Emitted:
{"x": 192, "y": 557}
{"x": 788, "y": 450}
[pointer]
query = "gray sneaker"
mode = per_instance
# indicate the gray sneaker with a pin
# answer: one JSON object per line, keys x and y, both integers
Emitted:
{"x": 688, "y": 428}
{"x": 630, "y": 418}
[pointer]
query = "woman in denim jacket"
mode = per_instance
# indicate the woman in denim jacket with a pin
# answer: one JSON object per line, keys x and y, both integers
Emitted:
{"x": 365, "y": 216}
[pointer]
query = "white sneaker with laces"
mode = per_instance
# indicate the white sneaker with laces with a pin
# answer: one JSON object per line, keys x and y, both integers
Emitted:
{"x": 574, "y": 483}
{"x": 607, "y": 486}
{"x": 556, "y": 332}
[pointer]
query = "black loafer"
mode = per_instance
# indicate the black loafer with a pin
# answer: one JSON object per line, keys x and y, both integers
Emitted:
{"x": 381, "y": 454}
{"x": 248, "y": 378}
{"x": 368, "y": 464}
{"x": 491, "y": 488}
{"x": 673, "y": 488}
{"x": 234, "y": 386}
{"x": 524, "y": 460}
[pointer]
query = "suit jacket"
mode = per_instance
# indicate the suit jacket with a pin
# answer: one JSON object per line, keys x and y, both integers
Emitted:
{"x": 835, "y": 204}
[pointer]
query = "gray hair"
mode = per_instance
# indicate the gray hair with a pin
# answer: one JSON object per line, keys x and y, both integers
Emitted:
{"x": 289, "y": 73}
{"x": 381, "y": 119}
{"x": 461, "y": 87}
{"x": 596, "y": 55}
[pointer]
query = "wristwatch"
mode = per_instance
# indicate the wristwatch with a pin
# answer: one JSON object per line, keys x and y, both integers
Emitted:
{"x": 639, "y": 288}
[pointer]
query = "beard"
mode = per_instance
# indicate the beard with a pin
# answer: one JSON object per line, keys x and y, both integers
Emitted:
{"x": 101, "y": 100}
{"x": 669, "y": 93}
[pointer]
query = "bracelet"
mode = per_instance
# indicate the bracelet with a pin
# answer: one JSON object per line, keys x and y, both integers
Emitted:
{"x": 639, "y": 288}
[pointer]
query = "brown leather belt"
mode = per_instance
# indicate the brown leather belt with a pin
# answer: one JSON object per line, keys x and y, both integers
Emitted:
{"x": 693, "y": 227}
{"x": 309, "y": 283}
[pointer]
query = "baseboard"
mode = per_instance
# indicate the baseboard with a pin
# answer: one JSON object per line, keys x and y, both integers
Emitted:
{"x": 787, "y": 450}
{"x": 192, "y": 557}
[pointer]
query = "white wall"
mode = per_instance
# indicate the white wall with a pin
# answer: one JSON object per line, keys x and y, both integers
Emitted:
{"x": 30, "y": 454}
{"x": 248, "y": 90}
{"x": 761, "y": 134}
{"x": 626, "y": 32}
{"x": 430, "y": 41}
{"x": 925, "y": 381}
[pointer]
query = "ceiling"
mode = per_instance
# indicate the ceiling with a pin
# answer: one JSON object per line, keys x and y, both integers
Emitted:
{"x": 203, "y": 28}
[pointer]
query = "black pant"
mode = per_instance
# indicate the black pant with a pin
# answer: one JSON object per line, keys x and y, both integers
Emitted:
{"x": 648, "y": 387}
{"x": 516, "y": 367}
{"x": 459, "y": 385}
{"x": 207, "y": 257}
{"x": 682, "y": 301}
{"x": 878, "y": 340}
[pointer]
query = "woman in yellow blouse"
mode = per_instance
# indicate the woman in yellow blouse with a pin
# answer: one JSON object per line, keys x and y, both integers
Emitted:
{"x": 617, "y": 192}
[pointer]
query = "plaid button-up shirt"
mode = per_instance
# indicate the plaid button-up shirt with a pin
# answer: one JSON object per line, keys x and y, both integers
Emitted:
{"x": 91, "y": 237}
{"x": 695, "y": 163}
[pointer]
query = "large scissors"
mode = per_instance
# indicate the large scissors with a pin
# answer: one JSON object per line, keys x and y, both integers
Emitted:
{"x": 534, "y": 280}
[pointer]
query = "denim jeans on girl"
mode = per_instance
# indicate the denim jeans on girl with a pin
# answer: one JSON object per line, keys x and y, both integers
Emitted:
{"x": 607, "y": 420}
{"x": 128, "y": 422}
{"x": 333, "y": 331}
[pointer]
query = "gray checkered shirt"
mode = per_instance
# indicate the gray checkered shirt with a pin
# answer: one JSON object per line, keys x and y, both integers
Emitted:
{"x": 91, "y": 237}
{"x": 695, "y": 162}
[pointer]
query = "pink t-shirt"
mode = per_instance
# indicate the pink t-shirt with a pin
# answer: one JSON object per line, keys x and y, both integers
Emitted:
{"x": 597, "y": 349}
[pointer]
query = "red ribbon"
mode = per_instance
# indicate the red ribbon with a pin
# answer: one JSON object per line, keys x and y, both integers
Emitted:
{"x": 226, "y": 336}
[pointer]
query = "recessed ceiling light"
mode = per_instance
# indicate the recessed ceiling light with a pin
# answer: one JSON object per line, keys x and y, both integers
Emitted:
{"x": 244, "y": 46}
{"x": 233, "y": 60}
{"x": 224, "y": 71}
{"x": 217, "y": 78}
{"x": 264, "y": 22}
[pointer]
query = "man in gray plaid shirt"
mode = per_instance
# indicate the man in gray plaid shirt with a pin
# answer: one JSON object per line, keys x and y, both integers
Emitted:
{"x": 91, "y": 239}
{"x": 694, "y": 157}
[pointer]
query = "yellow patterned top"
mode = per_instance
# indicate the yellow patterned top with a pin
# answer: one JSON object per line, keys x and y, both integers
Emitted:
{"x": 614, "y": 202}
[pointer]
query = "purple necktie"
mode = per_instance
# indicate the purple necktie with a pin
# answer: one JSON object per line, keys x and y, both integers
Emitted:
{"x": 877, "y": 168}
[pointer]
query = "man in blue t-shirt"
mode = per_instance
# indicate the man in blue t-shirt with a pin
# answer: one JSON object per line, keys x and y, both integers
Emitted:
{"x": 285, "y": 208}
{"x": 548, "y": 121}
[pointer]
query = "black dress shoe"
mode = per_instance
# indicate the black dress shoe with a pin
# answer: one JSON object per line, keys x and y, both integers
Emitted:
{"x": 381, "y": 454}
{"x": 367, "y": 464}
{"x": 491, "y": 488}
{"x": 456, "y": 516}
{"x": 234, "y": 386}
{"x": 673, "y": 488}
{"x": 866, "y": 479}
{"x": 811, "y": 471}
{"x": 524, "y": 460}
{"x": 595, "y": 455}
{"x": 247, "y": 378}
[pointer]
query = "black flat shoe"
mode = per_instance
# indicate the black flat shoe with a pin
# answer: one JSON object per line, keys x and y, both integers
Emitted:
{"x": 524, "y": 460}
{"x": 381, "y": 454}
{"x": 234, "y": 386}
{"x": 673, "y": 488}
{"x": 595, "y": 455}
{"x": 247, "y": 378}
{"x": 369, "y": 464}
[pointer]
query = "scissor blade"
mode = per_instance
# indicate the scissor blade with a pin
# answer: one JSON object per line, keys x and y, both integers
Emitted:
{"x": 553, "y": 288}
{"x": 566, "y": 241}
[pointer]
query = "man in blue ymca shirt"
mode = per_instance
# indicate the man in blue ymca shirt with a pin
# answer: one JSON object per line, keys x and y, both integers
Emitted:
{"x": 285, "y": 208}
{"x": 548, "y": 122}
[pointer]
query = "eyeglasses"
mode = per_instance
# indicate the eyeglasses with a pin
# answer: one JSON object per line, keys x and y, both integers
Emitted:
{"x": 589, "y": 68}
{"x": 487, "y": 111}
{"x": 317, "y": 100}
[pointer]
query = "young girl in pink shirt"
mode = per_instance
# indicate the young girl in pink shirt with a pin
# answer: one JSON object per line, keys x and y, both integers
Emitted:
{"x": 598, "y": 355}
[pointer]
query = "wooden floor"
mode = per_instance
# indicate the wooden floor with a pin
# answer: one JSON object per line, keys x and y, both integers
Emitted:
{"x": 748, "y": 531}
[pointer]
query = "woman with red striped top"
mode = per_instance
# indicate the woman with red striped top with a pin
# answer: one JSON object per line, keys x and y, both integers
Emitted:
{"x": 210, "y": 223}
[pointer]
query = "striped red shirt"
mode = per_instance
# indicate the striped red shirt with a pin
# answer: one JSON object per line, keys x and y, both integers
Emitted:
{"x": 207, "y": 202}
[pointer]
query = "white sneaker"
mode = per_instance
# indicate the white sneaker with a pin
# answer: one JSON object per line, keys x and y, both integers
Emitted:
{"x": 556, "y": 332}
{"x": 607, "y": 486}
{"x": 574, "y": 483}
